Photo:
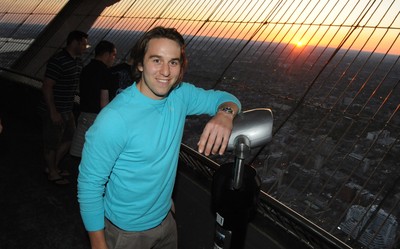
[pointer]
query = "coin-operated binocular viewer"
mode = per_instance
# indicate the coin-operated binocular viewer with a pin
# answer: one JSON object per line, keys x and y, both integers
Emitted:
{"x": 236, "y": 186}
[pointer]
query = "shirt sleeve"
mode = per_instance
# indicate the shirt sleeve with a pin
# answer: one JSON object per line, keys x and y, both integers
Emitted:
{"x": 201, "y": 101}
{"x": 53, "y": 69}
{"x": 107, "y": 79}
{"x": 104, "y": 141}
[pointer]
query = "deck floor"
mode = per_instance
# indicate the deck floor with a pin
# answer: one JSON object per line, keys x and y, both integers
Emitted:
{"x": 36, "y": 212}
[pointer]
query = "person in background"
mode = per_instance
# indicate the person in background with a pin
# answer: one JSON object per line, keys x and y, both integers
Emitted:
{"x": 59, "y": 88}
{"x": 94, "y": 89}
{"x": 129, "y": 161}
{"x": 122, "y": 76}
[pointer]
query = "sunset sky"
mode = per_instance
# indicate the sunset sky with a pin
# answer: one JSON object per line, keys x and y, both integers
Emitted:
{"x": 300, "y": 22}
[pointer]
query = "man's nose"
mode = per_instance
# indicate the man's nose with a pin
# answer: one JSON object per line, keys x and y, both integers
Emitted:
{"x": 165, "y": 70}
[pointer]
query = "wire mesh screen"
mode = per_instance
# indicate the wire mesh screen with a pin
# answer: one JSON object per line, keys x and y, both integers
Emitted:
{"x": 330, "y": 72}
{"x": 21, "y": 22}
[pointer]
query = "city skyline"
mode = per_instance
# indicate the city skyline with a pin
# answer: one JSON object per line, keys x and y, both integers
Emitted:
{"x": 356, "y": 25}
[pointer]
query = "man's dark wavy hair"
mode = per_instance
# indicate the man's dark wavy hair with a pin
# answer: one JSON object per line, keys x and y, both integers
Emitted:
{"x": 141, "y": 46}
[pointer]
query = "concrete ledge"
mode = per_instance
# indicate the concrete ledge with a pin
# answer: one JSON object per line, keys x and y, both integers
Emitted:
{"x": 19, "y": 78}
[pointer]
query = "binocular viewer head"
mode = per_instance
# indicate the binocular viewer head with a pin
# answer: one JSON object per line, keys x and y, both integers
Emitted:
{"x": 252, "y": 128}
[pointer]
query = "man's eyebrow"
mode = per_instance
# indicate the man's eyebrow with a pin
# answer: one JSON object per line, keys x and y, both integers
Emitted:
{"x": 159, "y": 56}
{"x": 154, "y": 56}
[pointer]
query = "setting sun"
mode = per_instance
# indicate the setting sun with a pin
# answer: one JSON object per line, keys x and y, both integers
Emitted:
{"x": 299, "y": 44}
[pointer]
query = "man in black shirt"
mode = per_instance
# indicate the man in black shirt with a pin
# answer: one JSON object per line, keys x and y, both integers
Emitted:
{"x": 96, "y": 84}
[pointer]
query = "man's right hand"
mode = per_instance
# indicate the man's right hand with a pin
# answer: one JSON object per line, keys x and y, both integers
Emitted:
{"x": 56, "y": 118}
{"x": 97, "y": 240}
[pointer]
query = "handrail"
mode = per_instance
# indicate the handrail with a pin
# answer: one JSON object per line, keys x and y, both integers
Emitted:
{"x": 19, "y": 77}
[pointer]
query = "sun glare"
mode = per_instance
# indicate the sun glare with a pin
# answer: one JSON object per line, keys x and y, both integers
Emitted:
{"x": 299, "y": 44}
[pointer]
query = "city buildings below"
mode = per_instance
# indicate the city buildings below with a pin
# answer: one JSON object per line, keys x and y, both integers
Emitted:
{"x": 372, "y": 227}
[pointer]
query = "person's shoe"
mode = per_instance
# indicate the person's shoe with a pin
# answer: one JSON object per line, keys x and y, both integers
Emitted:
{"x": 64, "y": 172}
{"x": 59, "y": 181}
{"x": 61, "y": 172}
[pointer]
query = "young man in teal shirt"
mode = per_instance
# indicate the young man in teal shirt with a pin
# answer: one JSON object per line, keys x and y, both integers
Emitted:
{"x": 129, "y": 161}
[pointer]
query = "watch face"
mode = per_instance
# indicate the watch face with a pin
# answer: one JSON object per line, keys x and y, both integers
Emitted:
{"x": 227, "y": 110}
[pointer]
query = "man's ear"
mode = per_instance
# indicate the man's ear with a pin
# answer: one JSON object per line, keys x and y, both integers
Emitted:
{"x": 140, "y": 67}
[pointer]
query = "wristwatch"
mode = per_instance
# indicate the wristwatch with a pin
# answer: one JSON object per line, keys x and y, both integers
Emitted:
{"x": 227, "y": 109}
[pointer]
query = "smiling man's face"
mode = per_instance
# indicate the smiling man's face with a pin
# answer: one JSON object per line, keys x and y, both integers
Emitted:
{"x": 161, "y": 68}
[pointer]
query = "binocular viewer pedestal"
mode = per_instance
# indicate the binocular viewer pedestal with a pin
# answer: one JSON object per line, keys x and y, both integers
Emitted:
{"x": 236, "y": 186}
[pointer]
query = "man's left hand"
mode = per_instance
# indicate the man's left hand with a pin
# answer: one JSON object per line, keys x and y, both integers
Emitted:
{"x": 216, "y": 133}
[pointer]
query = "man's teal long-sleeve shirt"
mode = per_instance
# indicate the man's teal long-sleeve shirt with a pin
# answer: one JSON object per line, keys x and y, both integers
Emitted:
{"x": 129, "y": 161}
